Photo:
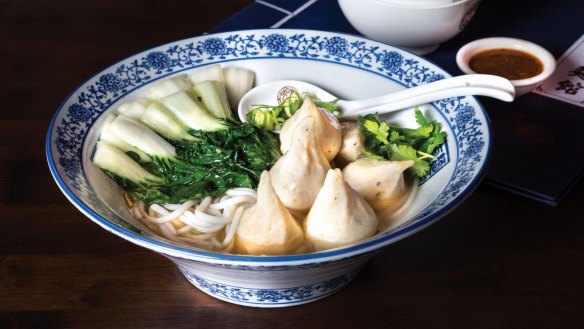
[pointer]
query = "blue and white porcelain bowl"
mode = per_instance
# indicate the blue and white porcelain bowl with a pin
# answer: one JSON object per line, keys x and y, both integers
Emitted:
{"x": 348, "y": 66}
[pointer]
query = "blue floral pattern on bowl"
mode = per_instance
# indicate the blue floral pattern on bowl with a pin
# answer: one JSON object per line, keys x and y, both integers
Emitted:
{"x": 271, "y": 297}
{"x": 156, "y": 64}
{"x": 67, "y": 135}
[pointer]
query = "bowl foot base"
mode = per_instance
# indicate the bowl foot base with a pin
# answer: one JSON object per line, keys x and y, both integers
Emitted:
{"x": 269, "y": 297}
{"x": 422, "y": 50}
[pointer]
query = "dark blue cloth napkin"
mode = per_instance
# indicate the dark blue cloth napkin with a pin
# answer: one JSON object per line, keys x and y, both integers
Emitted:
{"x": 538, "y": 147}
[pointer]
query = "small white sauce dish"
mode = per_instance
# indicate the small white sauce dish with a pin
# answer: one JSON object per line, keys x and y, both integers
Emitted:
{"x": 522, "y": 86}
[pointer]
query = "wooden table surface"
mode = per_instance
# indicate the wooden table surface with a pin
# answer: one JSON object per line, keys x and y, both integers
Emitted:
{"x": 497, "y": 261}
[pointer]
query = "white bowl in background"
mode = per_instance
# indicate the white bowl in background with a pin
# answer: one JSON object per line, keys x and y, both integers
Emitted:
{"x": 420, "y": 29}
{"x": 419, "y": 3}
{"x": 522, "y": 86}
{"x": 350, "y": 67}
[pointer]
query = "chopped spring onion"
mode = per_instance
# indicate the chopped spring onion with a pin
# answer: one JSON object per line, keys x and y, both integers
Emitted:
{"x": 272, "y": 117}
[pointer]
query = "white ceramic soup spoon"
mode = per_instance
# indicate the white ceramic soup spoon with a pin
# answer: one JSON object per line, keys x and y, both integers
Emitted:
{"x": 464, "y": 85}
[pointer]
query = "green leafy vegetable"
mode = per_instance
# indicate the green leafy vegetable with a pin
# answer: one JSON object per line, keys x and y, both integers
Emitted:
{"x": 181, "y": 143}
{"x": 394, "y": 143}
{"x": 378, "y": 129}
{"x": 215, "y": 162}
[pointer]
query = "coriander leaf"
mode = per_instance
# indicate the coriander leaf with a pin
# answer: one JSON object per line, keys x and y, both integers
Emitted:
{"x": 373, "y": 155}
{"x": 435, "y": 140}
{"x": 397, "y": 143}
{"x": 377, "y": 128}
{"x": 420, "y": 119}
{"x": 396, "y": 137}
{"x": 415, "y": 136}
{"x": 406, "y": 152}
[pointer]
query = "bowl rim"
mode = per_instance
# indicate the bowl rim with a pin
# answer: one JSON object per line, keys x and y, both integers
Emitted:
{"x": 160, "y": 246}
{"x": 421, "y": 7}
{"x": 464, "y": 54}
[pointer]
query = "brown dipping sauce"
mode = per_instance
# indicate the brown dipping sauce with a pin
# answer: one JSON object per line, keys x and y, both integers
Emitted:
{"x": 507, "y": 63}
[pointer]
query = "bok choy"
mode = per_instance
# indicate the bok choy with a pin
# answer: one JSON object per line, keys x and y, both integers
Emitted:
{"x": 181, "y": 142}
{"x": 191, "y": 112}
{"x": 238, "y": 81}
{"x": 135, "y": 109}
{"x": 159, "y": 119}
{"x": 215, "y": 162}
{"x": 168, "y": 87}
{"x": 108, "y": 136}
{"x": 127, "y": 171}
{"x": 214, "y": 97}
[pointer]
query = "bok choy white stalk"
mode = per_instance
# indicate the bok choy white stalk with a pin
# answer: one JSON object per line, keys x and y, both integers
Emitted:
{"x": 238, "y": 81}
{"x": 161, "y": 120}
{"x": 191, "y": 112}
{"x": 214, "y": 98}
{"x": 109, "y": 158}
{"x": 212, "y": 72}
{"x": 142, "y": 137}
{"x": 168, "y": 87}
{"x": 108, "y": 136}
{"x": 135, "y": 109}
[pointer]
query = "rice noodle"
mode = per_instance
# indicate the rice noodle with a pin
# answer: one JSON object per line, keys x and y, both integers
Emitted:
{"x": 210, "y": 223}
{"x": 231, "y": 228}
{"x": 232, "y": 201}
{"x": 239, "y": 191}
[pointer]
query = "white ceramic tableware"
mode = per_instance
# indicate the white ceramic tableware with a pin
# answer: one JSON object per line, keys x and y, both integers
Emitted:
{"x": 419, "y": 3}
{"x": 522, "y": 86}
{"x": 466, "y": 85}
{"x": 350, "y": 67}
{"x": 420, "y": 29}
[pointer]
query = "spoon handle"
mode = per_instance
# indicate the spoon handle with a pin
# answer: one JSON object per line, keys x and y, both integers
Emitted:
{"x": 430, "y": 97}
{"x": 464, "y": 85}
